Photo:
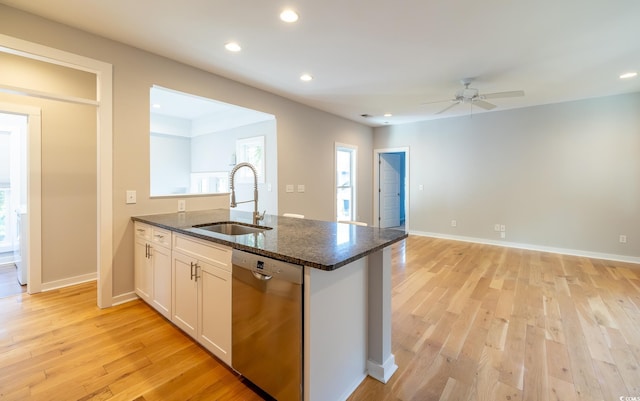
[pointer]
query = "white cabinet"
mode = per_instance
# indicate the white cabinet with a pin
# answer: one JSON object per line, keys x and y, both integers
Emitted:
{"x": 142, "y": 265}
{"x": 214, "y": 299}
{"x": 201, "y": 273}
{"x": 152, "y": 267}
{"x": 185, "y": 293}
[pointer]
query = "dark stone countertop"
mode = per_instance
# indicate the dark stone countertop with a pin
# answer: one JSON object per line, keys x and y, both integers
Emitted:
{"x": 320, "y": 244}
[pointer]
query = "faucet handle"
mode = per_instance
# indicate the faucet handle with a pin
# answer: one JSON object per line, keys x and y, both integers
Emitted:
{"x": 261, "y": 216}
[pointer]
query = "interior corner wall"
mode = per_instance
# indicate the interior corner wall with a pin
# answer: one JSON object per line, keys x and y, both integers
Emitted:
{"x": 305, "y": 135}
{"x": 562, "y": 176}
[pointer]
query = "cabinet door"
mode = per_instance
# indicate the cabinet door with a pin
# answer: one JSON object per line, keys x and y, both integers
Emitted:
{"x": 185, "y": 294}
{"x": 161, "y": 259}
{"x": 215, "y": 310}
{"x": 143, "y": 271}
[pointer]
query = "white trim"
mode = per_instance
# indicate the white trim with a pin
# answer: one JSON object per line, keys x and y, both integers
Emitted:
{"x": 350, "y": 389}
{"x": 16, "y": 90}
{"x": 124, "y": 298}
{"x": 104, "y": 98}
{"x": 34, "y": 192}
{"x": 354, "y": 176}
{"x": 382, "y": 373}
{"x": 531, "y": 247}
{"x": 376, "y": 182}
{"x": 54, "y": 285}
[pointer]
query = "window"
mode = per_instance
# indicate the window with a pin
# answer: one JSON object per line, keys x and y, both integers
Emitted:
{"x": 345, "y": 182}
{"x": 250, "y": 150}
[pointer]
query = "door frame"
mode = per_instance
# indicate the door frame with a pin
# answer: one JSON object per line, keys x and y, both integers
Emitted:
{"x": 34, "y": 195}
{"x": 104, "y": 144}
{"x": 376, "y": 183}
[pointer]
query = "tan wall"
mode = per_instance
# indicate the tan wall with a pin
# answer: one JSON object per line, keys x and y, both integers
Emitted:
{"x": 305, "y": 136}
{"x": 68, "y": 187}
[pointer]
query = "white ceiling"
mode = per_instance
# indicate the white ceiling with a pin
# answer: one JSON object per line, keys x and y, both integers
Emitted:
{"x": 383, "y": 56}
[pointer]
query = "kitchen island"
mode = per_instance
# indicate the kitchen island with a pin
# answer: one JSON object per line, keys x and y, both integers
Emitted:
{"x": 347, "y": 290}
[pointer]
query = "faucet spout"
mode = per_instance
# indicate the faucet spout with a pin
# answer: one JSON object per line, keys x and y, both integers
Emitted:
{"x": 256, "y": 214}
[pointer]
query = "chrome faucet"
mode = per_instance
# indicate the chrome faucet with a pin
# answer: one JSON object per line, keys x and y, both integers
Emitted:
{"x": 256, "y": 214}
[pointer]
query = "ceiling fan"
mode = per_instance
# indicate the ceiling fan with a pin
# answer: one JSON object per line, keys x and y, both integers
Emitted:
{"x": 473, "y": 97}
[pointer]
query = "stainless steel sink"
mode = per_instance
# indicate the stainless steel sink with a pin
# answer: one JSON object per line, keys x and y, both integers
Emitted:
{"x": 232, "y": 228}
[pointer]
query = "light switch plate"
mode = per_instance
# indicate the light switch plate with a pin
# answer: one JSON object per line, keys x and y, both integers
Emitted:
{"x": 289, "y": 188}
{"x": 300, "y": 187}
{"x": 131, "y": 197}
{"x": 182, "y": 206}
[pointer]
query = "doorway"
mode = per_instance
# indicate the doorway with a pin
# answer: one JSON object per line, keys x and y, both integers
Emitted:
{"x": 104, "y": 133}
{"x": 13, "y": 130}
{"x": 391, "y": 191}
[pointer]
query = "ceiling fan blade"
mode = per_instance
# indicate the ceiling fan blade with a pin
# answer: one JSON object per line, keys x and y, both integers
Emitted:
{"x": 438, "y": 101}
{"x": 484, "y": 105}
{"x": 502, "y": 94}
{"x": 448, "y": 107}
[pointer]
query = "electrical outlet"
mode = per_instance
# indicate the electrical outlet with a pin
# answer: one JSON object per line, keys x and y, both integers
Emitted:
{"x": 503, "y": 228}
{"x": 623, "y": 239}
{"x": 420, "y": 187}
{"x": 131, "y": 197}
{"x": 454, "y": 223}
{"x": 503, "y": 235}
{"x": 182, "y": 205}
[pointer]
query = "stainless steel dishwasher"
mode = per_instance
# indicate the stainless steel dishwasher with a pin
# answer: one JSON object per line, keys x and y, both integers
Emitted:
{"x": 267, "y": 324}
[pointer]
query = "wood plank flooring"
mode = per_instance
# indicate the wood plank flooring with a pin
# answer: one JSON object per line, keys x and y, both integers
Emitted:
{"x": 478, "y": 322}
{"x": 470, "y": 322}
{"x": 9, "y": 284}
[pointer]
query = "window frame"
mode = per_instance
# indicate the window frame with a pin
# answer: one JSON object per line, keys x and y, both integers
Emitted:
{"x": 353, "y": 182}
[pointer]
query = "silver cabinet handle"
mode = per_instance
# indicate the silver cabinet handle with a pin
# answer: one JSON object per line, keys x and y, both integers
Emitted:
{"x": 192, "y": 275}
{"x": 197, "y": 266}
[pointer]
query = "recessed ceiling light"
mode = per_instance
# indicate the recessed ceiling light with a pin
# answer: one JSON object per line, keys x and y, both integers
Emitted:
{"x": 306, "y": 77}
{"x": 233, "y": 47}
{"x": 388, "y": 114}
{"x": 289, "y": 15}
{"x": 628, "y": 75}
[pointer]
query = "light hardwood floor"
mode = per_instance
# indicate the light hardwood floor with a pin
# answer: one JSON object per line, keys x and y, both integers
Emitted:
{"x": 9, "y": 284}
{"x": 470, "y": 322}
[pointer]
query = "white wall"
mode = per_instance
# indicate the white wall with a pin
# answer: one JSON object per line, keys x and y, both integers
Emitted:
{"x": 170, "y": 161}
{"x": 213, "y": 152}
{"x": 564, "y": 175}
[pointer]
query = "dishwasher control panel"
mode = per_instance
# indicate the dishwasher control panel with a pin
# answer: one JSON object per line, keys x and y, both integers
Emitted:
{"x": 267, "y": 266}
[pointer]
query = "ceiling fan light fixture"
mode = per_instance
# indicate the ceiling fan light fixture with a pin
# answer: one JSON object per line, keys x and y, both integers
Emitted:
{"x": 628, "y": 75}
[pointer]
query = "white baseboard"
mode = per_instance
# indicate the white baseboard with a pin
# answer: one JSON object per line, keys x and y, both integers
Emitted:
{"x": 382, "y": 373}
{"x": 124, "y": 298}
{"x": 356, "y": 383}
{"x": 562, "y": 251}
{"x": 53, "y": 285}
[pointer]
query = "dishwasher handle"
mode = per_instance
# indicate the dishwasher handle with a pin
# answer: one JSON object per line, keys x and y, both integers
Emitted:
{"x": 260, "y": 276}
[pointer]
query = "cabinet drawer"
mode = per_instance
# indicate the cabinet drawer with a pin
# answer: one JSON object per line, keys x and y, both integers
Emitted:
{"x": 142, "y": 231}
{"x": 205, "y": 251}
{"x": 161, "y": 236}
